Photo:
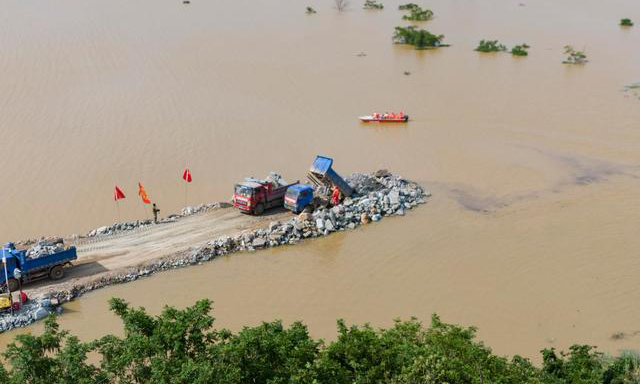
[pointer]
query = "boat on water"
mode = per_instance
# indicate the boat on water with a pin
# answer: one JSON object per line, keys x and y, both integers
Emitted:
{"x": 385, "y": 118}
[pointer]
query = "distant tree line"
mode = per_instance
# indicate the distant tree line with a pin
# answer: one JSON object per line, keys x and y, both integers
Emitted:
{"x": 181, "y": 346}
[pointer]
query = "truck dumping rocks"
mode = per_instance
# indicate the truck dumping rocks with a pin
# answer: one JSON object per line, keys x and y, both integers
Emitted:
{"x": 376, "y": 196}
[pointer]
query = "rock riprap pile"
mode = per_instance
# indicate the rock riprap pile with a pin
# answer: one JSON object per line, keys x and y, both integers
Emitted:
{"x": 32, "y": 311}
{"x": 376, "y": 196}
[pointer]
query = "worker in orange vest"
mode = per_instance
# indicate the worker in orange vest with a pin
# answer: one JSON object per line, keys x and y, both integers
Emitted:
{"x": 335, "y": 196}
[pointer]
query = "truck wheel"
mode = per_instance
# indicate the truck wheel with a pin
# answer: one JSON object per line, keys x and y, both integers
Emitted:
{"x": 13, "y": 284}
{"x": 56, "y": 273}
{"x": 258, "y": 210}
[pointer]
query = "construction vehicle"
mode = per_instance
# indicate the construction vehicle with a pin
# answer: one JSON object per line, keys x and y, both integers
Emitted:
{"x": 23, "y": 269}
{"x": 298, "y": 196}
{"x": 324, "y": 178}
{"x": 255, "y": 196}
{"x": 5, "y": 302}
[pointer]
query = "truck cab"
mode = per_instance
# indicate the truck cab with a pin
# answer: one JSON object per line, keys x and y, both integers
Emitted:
{"x": 247, "y": 195}
{"x": 298, "y": 196}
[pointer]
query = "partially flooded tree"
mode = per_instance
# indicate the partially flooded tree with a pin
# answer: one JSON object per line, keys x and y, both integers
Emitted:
{"x": 573, "y": 56}
{"x": 372, "y": 4}
{"x": 490, "y": 46}
{"x": 626, "y": 23}
{"x": 419, "y": 38}
{"x": 520, "y": 50}
{"x": 408, "y": 6}
{"x": 418, "y": 14}
{"x": 341, "y": 5}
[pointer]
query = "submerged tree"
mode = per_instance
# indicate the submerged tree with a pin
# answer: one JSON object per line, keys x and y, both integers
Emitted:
{"x": 626, "y": 23}
{"x": 310, "y": 11}
{"x": 408, "y": 6}
{"x": 372, "y": 4}
{"x": 520, "y": 50}
{"x": 573, "y": 56}
{"x": 341, "y": 4}
{"x": 490, "y": 46}
{"x": 418, "y": 14}
{"x": 419, "y": 38}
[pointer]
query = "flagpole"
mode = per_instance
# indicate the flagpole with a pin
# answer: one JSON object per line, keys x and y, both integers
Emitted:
{"x": 118, "y": 210}
{"x": 186, "y": 185}
{"x": 6, "y": 277}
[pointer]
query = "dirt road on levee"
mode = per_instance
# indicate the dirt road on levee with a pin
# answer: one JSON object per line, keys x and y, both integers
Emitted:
{"x": 111, "y": 254}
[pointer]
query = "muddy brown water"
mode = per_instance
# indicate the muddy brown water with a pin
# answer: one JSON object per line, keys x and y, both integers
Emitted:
{"x": 531, "y": 234}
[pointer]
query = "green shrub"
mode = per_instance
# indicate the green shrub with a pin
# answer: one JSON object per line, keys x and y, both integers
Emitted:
{"x": 626, "y": 23}
{"x": 372, "y": 4}
{"x": 419, "y": 14}
{"x": 408, "y": 6}
{"x": 490, "y": 46}
{"x": 419, "y": 38}
{"x": 520, "y": 50}
{"x": 310, "y": 11}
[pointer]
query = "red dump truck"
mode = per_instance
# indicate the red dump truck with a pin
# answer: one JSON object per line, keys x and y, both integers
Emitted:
{"x": 254, "y": 196}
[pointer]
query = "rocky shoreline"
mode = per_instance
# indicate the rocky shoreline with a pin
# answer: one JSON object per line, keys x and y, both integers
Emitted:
{"x": 377, "y": 195}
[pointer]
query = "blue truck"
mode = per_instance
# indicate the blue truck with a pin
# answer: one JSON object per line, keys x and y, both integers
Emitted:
{"x": 23, "y": 269}
{"x": 298, "y": 196}
{"x": 324, "y": 178}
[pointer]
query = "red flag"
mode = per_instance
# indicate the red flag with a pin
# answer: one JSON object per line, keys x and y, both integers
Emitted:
{"x": 143, "y": 194}
{"x": 117, "y": 194}
{"x": 187, "y": 175}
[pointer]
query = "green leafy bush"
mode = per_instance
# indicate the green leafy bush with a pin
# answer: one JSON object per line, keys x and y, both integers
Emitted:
{"x": 626, "y": 23}
{"x": 573, "y": 56}
{"x": 310, "y": 11}
{"x": 418, "y": 14}
{"x": 490, "y": 46}
{"x": 419, "y": 38}
{"x": 520, "y": 50}
{"x": 372, "y": 4}
{"x": 408, "y": 6}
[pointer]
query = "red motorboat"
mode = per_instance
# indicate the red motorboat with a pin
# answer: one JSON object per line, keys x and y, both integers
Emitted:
{"x": 385, "y": 118}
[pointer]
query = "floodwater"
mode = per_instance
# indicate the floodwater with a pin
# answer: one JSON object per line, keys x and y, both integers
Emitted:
{"x": 532, "y": 231}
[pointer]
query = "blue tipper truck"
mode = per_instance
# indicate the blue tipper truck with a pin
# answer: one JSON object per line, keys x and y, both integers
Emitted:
{"x": 323, "y": 177}
{"x": 31, "y": 269}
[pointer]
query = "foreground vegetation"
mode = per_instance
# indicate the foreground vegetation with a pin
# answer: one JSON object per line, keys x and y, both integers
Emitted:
{"x": 181, "y": 346}
{"x": 419, "y": 38}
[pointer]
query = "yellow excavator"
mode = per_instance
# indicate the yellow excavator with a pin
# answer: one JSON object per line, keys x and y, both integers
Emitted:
{"x": 5, "y": 302}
